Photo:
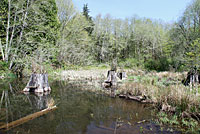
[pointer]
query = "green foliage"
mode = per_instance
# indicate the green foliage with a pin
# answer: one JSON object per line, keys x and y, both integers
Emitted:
{"x": 86, "y": 11}
{"x": 173, "y": 120}
{"x": 191, "y": 124}
{"x": 32, "y": 32}
{"x": 42, "y": 32}
{"x": 163, "y": 118}
{"x": 161, "y": 64}
{"x": 129, "y": 63}
{"x": 54, "y": 32}
{"x": 4, "y": 71}
{"x": 3, "y": 66}
{"x": 75, "y": 44}
{"x": 193, "y": 54}
{"x": 3, "y": 19}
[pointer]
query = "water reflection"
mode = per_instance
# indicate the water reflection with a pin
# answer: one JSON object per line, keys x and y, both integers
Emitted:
{"x": 80, "y": 111}
{"x": 14, "y": 106}
{"x": 38, "y": 101}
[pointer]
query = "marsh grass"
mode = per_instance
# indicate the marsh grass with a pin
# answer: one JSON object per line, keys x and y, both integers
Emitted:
{"x": 170, "y": 96}
{"x": 50, "y": 103}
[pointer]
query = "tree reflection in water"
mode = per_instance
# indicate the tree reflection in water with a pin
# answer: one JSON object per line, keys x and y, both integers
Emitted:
{"x": 38, "y": 101}
{"x": 81, "y": 109}
{"x": 14, "y": 106}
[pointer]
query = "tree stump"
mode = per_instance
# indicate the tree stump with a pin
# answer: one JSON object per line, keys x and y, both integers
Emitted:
{"x": 112, "y": 77}
{"x": 38, "y": 83}
{"x": 192, "y": 78}
{"x": 122, "y": 75}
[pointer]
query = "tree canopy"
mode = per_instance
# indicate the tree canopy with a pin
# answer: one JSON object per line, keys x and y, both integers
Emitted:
{"x": 56, "y": 33}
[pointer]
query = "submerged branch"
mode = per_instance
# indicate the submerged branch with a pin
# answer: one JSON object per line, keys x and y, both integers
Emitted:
{"x": 27, "y": 118}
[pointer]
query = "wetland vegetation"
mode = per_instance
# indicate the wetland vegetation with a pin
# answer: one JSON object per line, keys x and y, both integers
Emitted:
{"x": 79, "y": 49}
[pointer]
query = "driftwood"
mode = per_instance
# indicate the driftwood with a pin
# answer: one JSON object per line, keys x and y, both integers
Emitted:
{"x": 27, "y": 118}
{"x": 38, "y": 83}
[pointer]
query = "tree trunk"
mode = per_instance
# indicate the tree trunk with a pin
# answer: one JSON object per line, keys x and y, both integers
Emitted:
{"x": 2, "y": 51}
{"x": 38, "y": 83}
{"x": 7, "y": 31}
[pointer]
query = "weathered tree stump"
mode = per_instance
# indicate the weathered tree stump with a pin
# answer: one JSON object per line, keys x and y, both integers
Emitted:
{"x": 38, "y": 83}
{"x": 112, "y": 77}
{"x": 122, "y": 75}
{"x": 192, "y": 78}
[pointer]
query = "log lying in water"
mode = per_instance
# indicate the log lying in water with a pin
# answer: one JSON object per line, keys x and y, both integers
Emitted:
{"x": 142, "y": 99}
{"x": 38, "y": 83}
{"x": 26, "y": 119}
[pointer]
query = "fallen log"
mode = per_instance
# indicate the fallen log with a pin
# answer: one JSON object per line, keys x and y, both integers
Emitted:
{"x": 25, "y": 119}
{"x": 141, "y": 99}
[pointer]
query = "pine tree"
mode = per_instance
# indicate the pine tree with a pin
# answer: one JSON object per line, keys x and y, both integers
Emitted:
{"x": 89, "y": 19}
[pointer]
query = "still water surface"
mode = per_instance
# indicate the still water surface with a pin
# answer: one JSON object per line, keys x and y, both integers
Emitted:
{"x": 79, "y": 111}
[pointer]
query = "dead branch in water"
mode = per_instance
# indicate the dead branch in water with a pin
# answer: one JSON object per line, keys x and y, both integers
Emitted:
{"x": 26, "y": 118}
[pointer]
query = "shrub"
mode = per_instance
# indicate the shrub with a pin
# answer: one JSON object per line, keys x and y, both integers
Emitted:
{"x": 129, "y": 63}
{"x": 161, "y": 64}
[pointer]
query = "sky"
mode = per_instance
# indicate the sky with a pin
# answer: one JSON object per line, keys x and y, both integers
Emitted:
{"x": 166, "y": 10}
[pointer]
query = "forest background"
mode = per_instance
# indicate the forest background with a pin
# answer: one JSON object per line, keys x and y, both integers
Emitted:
{"x": 55, "y": 34}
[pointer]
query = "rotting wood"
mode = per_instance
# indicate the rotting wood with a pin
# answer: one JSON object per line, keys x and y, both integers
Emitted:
{"x": 26, "y": 119}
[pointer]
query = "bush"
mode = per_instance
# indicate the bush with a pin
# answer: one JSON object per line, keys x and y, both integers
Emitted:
{"x": 3, "y": 66}
{"x": 129, "y": 63}
{"x": 161, "y": 64}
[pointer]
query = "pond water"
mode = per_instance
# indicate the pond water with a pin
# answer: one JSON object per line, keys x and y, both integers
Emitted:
{"x": 81, "y": 109}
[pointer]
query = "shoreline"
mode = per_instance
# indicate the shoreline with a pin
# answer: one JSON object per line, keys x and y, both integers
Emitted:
{"x": 163, "y": 90}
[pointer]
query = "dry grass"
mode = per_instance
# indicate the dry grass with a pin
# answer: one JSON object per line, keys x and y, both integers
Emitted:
{"x": 164, "y": 88}
{"x": 50, "y": 103}
{"x": 84, "y": 74}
